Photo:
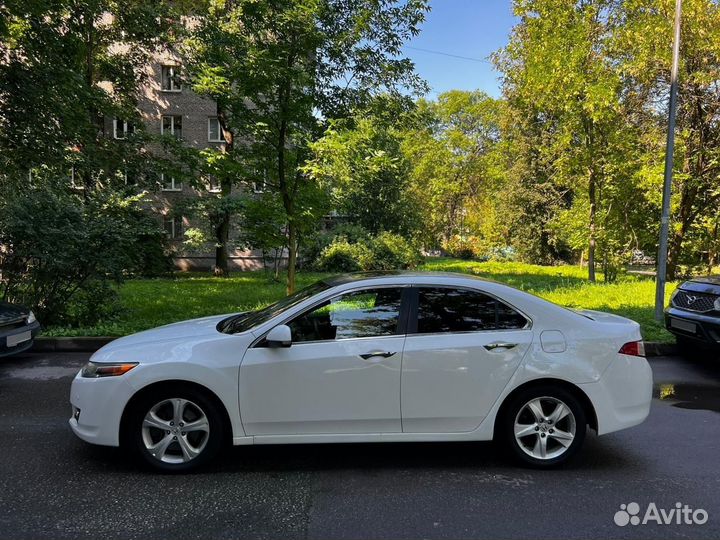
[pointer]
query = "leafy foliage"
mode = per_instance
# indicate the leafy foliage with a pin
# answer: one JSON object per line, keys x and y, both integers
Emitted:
{"x": 60, "y": 253}
{"x": 61, "y": 75}
{"x": 274, "y": 67}
{"x": 360, "y": 162}
{"x": 386, "y": 251}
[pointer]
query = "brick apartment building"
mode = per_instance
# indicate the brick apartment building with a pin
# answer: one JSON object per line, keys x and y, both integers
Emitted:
{"x": 168, "y": 107}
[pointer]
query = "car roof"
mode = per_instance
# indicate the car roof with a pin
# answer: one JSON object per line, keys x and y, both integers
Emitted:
{"x": 399, "y": 275}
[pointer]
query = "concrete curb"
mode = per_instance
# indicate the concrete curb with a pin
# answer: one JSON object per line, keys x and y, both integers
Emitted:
{"x": 654, "y": 348}
{"x": 70, "y": 344}
{"x": 92, "y": 344}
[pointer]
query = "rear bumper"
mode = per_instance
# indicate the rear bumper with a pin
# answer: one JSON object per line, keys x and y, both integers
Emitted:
{"x": 33, "y": 329}
{"x": 706, "y": 327}
{"x": 622, "y": 396}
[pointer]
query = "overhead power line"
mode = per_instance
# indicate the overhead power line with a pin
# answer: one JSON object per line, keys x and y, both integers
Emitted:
{"x": 448, "y": 54}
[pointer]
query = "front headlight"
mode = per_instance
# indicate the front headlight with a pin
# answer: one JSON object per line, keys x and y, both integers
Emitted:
{"x": 94, "y": 370}
{"x": 717, "y": 303}
{"x": 31, "y": 318}
{"x": 673, "y": 295}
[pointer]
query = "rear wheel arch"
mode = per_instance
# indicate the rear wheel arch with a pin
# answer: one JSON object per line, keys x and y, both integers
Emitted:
{"x": 569, "y": 387}
{"x": 178, "y": 384}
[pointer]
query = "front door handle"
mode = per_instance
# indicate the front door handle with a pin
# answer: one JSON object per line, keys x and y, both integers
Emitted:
{"x": 500, "y": 345}
{"x": 384, "y": 354}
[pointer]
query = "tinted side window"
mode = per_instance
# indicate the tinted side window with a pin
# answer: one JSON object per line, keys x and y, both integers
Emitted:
{"x": 459, "y": 310}
{"x": 371, "y": 312}
{"x": 508, "y": 318}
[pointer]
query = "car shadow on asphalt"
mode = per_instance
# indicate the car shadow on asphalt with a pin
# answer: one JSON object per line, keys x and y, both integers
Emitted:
{"x": 489, "y": 457}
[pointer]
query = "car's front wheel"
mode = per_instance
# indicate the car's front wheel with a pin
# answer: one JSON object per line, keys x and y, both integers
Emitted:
{"x": 544, "y": 426}
{"x": 176, "y": 429}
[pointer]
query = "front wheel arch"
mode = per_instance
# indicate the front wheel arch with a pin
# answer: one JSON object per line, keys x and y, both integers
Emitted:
{"x": 577, "y": 393}
{"x": 174, "y": 384}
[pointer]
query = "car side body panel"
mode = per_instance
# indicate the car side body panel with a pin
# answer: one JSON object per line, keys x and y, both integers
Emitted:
{"x": 619, "y": 387}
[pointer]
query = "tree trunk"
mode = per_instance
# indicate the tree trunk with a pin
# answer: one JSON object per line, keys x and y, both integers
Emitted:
{"x": 289, "y": 209}
{"x": 222, "y": 233}
{"x": 285, "y": 188}
{"x": 685, "y": 217}
{"x": 94, "y": 117}
{"x": 713, "y": 249}
{"x": 222, "y": 229}
{"x": 292, "y": 257}
{"x": 591, "y": 246}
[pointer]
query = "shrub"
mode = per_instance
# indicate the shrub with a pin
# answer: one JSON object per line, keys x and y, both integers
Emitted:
{"x": 352, "y": 234}
{"x": 342, "y": 256}
{"x": 59, "y": 254}
{"x": 501, "y": 254}
{"x": 392, "y": 251}
{"x": 96, "y": 301}
{"x": 385, "y": 251}
{"x": 462, "y": 247}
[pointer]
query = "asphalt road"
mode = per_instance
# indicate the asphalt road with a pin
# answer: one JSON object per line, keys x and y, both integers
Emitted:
{"x": 55, "y": 486}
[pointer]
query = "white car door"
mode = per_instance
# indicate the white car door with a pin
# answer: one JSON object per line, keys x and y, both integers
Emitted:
{"x": 340, "y": 375}
{"x": 461, "y": 350}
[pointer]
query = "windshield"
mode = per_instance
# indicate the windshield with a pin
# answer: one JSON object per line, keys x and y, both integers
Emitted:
{"x": 250, "y": 319}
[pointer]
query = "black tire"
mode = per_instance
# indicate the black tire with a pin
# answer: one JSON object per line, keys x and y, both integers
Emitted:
{"x": 512, "y": 412}
{"x": 196, "y": 404}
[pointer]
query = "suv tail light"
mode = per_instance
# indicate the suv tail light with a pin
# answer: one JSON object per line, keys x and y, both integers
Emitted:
{"x": 633, "y": 348}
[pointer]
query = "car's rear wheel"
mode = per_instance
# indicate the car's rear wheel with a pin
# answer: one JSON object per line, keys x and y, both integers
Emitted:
{"x": 544, "y": 426}
{"x": 175, "y": 429}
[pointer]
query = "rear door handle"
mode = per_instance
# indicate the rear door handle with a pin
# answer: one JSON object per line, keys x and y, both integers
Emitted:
{"x": 384, "y": 354}
{"x": 500, "y": 345}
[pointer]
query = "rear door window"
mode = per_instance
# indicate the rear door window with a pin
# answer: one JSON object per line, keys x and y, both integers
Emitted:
{"x": 446, "y": 309}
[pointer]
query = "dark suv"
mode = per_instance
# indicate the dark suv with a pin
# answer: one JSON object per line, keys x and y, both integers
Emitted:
{"x": 694, "y": 312}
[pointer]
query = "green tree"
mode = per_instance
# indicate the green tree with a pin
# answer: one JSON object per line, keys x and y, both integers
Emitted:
{"x": 452, "y": 147}
{"x": 276, "y": 67}
{"x": 62, "y": 73}
{"x": 557, "y": 74}
{"x": 642, "y": 38}
{"x": 360, "y": 163}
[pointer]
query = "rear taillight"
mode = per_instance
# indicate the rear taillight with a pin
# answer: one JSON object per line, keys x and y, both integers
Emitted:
{"x": 633, "y": 348}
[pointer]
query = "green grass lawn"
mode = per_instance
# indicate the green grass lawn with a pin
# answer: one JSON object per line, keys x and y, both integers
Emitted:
{"x": 153, "y": 302}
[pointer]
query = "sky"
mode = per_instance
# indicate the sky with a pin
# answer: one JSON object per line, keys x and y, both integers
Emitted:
{"x": 469, "y": 28}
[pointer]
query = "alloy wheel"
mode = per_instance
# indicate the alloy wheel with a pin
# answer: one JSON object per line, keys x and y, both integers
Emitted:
{"x": 175, "y": 430}
{"x": 545, "y": 428}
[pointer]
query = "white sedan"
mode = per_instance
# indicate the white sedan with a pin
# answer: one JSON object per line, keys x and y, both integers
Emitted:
{"x": 365, "y": 358}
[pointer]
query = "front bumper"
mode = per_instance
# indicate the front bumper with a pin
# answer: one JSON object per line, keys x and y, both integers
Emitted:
{"x": 100, "y": 403}
{"x": 5, "y": 350}
{"x": 702, "y": 328}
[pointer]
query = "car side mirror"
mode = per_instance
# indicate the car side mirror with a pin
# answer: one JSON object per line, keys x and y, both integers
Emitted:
{"x": 280, "y": 336}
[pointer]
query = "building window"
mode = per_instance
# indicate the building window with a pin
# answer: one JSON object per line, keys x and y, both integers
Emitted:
{"x": 171, "y": 79}
{"x": 215, "y": 131}
{"x": 122, "y": 128}
{"x": 168, "y": 183}
{"x": 173, "y": 226}
{"x": 172, "y": 125}
{"x": 213, "y": 184}
{"x": 260, "y": 185}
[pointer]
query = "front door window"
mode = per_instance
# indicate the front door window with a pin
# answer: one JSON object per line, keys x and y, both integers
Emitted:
{"x": 357, "y": 314}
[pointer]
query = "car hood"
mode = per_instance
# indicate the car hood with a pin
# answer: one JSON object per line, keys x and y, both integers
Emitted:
{"x": 11, "y": 312}
{"x": 205, "y": 326}
{"x": 706, "y": 284}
